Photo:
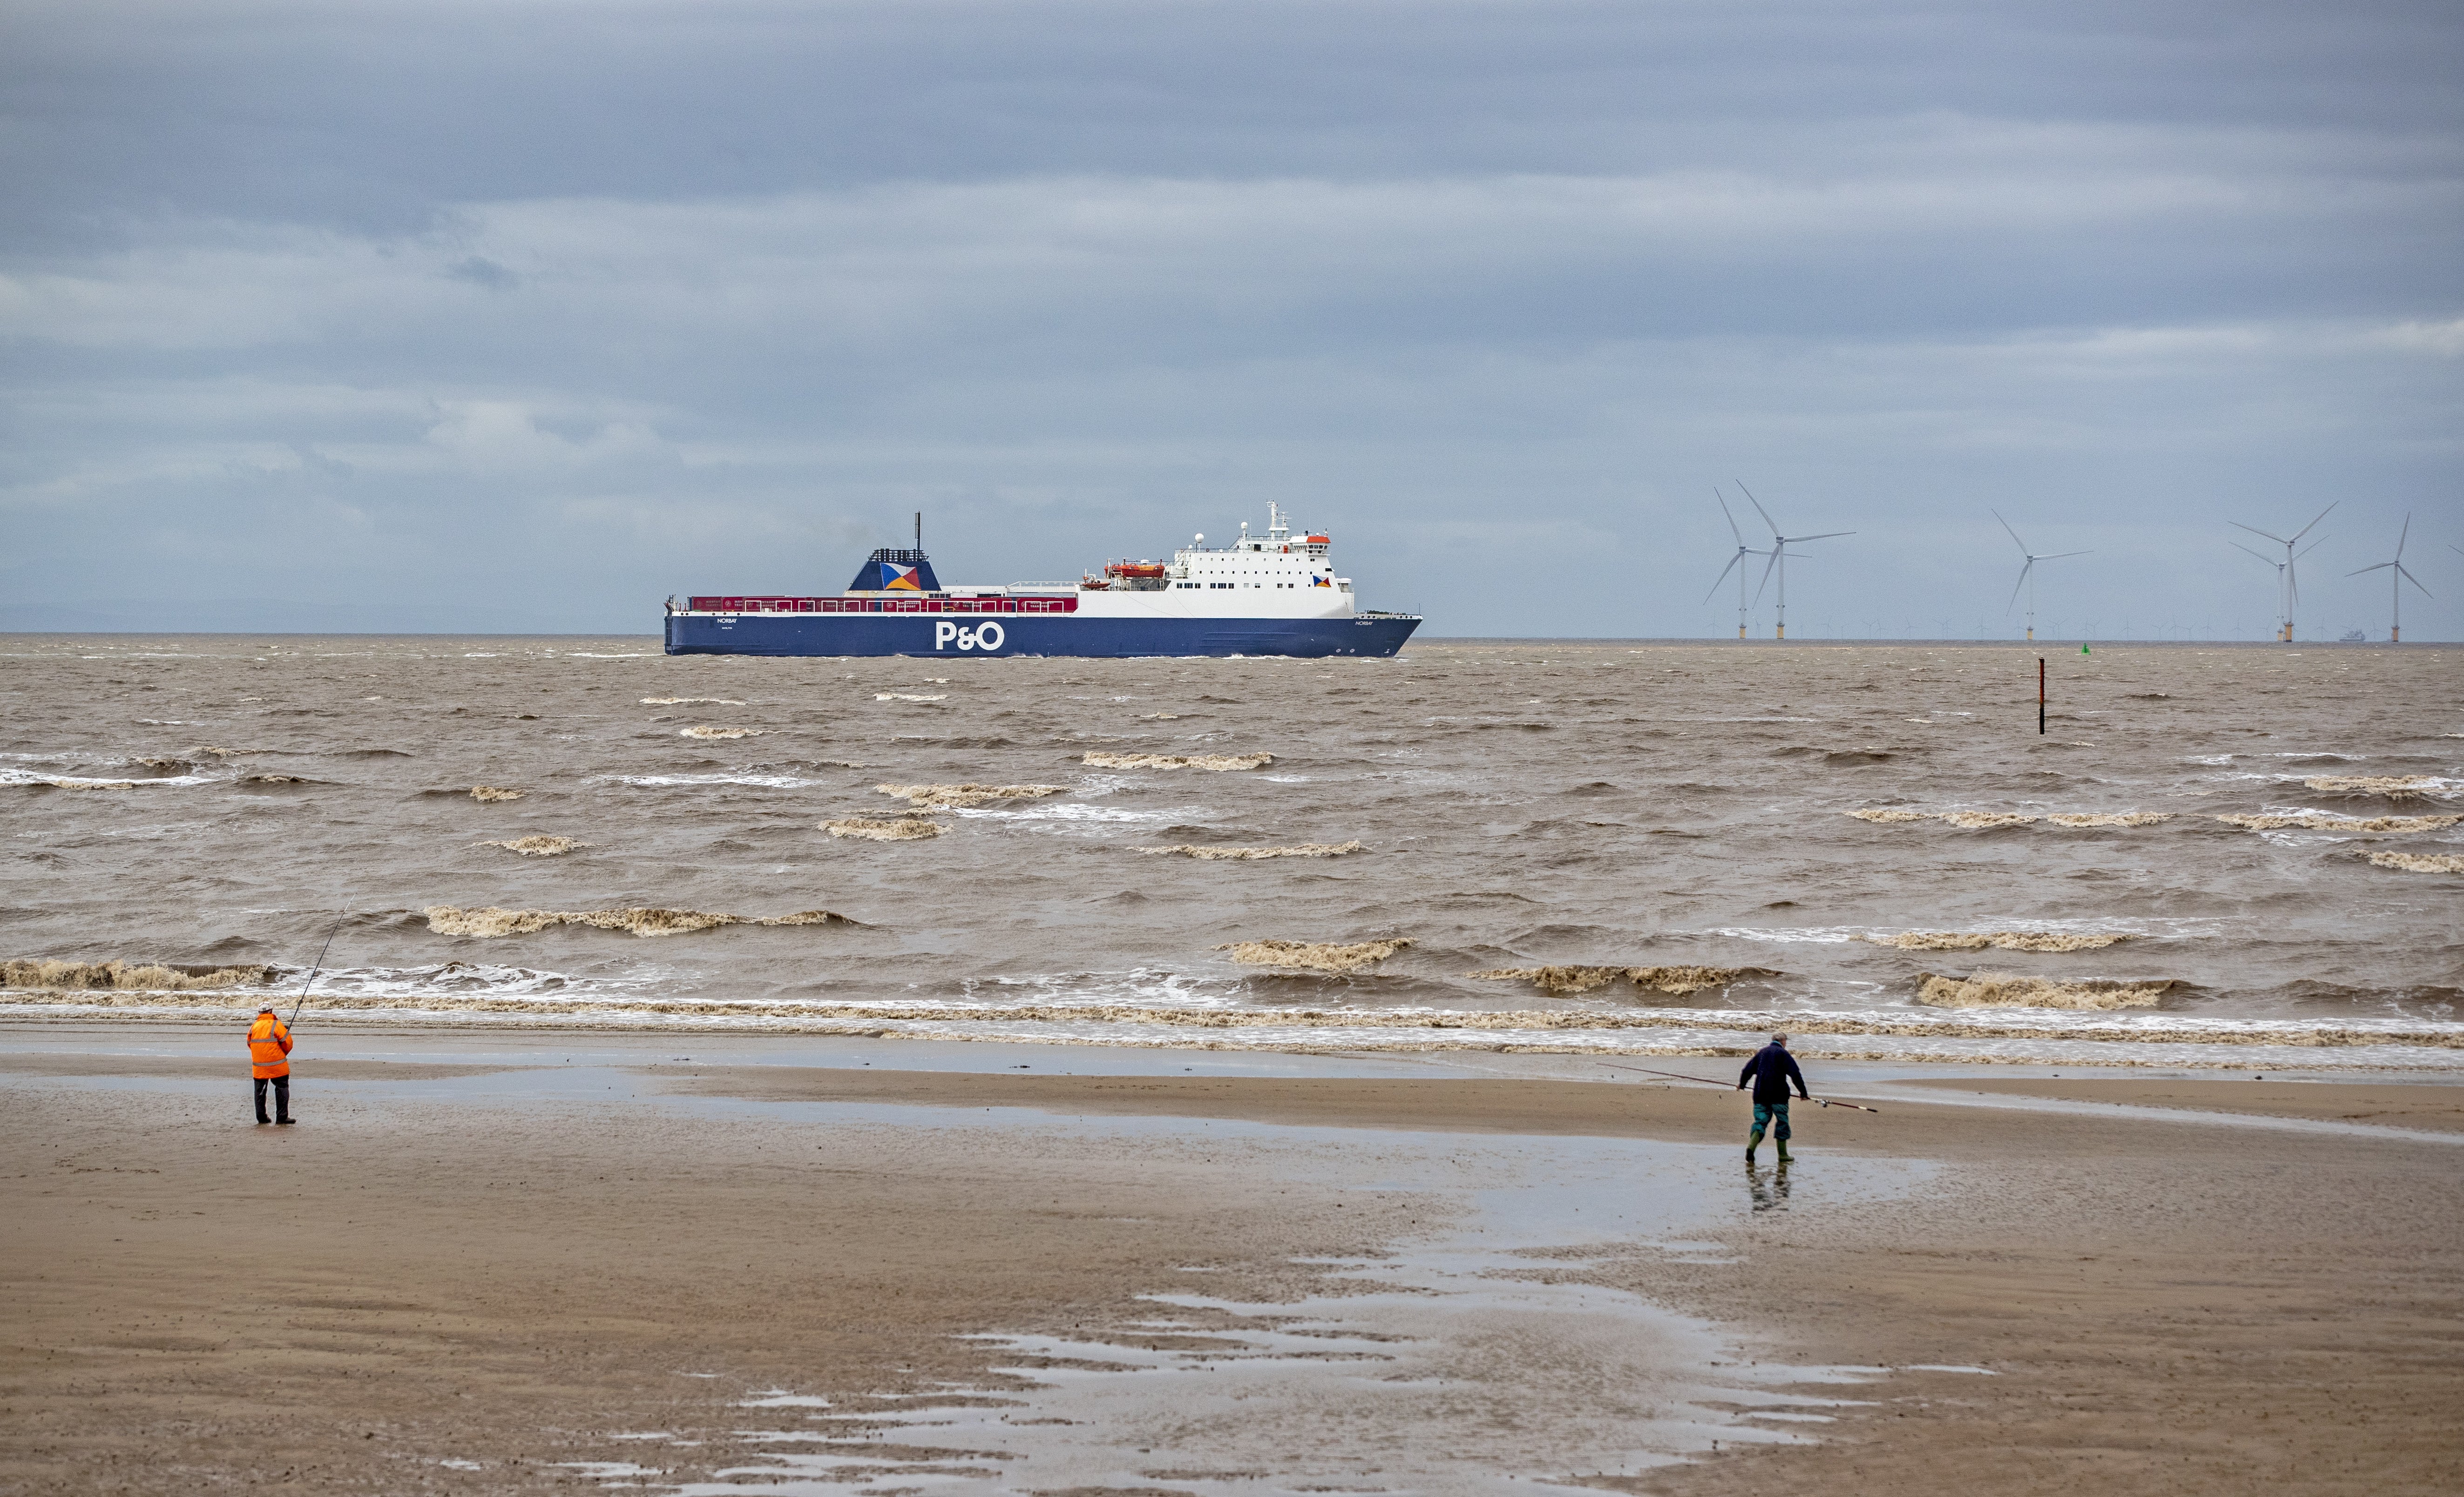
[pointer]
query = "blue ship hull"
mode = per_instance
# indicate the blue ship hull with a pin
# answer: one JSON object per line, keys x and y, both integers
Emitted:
{"x": 1027, "y": 634}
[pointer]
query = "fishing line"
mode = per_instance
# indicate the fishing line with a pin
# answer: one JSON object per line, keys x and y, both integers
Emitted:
{"x": 1709, "y": 1082}
{"x": 319, "y": 964}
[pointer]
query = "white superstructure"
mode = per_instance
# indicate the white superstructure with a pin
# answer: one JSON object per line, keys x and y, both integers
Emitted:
{"x": 1279, "y": 575}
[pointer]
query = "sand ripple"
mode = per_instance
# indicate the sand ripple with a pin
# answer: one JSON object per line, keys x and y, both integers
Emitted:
{"x": 447, "y": 920}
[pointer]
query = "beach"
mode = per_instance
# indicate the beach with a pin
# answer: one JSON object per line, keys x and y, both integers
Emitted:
{"x": 531, "y": 1261}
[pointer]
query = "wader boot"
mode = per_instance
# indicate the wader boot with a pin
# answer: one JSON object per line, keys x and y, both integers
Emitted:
{"x": 1754, "y": 1140}
{"x": 1783, "y": 1151}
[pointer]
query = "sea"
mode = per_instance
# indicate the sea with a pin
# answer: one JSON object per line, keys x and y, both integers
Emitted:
{"x": 2240, "y": 858}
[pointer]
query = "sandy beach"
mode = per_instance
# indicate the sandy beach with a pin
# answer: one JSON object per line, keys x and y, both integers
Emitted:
{"x": 515, "y": 1263}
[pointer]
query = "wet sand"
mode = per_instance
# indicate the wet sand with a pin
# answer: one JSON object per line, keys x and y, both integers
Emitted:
{"x": 488, "y": 1264}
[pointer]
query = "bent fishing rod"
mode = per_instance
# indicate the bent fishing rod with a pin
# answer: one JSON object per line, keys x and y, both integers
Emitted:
{"x": 1709, "y": 1082}
{"x": 318, "y": 966}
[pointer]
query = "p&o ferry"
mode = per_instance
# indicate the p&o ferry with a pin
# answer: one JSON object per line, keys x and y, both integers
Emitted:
{"x": 1275, "y": 594}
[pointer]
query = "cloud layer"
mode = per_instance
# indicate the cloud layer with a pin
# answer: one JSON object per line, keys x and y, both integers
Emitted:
{"x": 390, "y": 318}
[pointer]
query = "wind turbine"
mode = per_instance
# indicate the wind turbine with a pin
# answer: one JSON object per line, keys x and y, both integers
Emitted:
{"x": 2397, "y": 577}
{"x": 2027, "y": 573}
{"x": 1737, "y": 564}
{"x": 2288, "y": 585}
{"x": 1778, "y": 554}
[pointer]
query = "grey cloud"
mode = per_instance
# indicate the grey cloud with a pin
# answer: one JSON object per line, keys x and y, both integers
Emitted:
{"x": 417, "y": 307}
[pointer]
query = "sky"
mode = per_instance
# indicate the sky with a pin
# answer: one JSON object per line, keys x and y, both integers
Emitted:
{"x": 523, "y": 316}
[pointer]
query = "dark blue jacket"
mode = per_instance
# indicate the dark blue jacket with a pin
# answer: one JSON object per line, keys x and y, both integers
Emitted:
{"x": 1771, "y": 1071}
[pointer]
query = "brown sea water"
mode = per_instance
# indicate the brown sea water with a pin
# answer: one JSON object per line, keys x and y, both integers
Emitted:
{"x": 1095, "y": 850}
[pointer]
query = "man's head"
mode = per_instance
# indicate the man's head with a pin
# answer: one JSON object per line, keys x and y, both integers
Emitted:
{"x": 266, "y": 1009}
{"x": 1780, "y": 1040}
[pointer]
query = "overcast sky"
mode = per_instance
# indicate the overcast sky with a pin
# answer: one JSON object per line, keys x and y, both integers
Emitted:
{"x": 517, "y": 316}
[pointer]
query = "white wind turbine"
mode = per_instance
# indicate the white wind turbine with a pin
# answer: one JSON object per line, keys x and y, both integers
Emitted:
{"x": 2397, "y": 577}
{"x": 2288, "y": 585}
{"x": 1736, "y": 563}
{"x": 1778, "y": 554}
{"x": 2028, "y": 572}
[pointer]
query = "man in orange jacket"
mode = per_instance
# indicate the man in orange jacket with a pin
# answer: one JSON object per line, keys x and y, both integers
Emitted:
{"x": 269, "y": 1054}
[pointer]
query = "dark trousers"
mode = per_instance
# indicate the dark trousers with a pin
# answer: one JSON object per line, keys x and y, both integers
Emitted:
{"x": 281, "y": 1098}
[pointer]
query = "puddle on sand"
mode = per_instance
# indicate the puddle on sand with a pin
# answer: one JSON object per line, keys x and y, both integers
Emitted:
{"x": 1445, "y": 1368}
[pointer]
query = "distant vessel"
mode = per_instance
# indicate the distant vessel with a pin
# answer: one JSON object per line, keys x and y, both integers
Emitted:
{"x": 1274, "y": 594}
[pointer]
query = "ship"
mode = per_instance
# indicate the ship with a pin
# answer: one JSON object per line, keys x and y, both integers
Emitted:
{"x": 1271, "y": 594}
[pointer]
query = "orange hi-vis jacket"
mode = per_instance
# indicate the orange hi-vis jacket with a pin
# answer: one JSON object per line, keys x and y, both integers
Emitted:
{"x": 269, "y": 1046}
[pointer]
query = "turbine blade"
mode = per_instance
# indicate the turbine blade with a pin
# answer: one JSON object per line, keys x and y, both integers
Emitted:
{"x": 2409, "y": 576}
{"x": 2058, "y": 555}
{"x": 2312, "y": 546}
{"x": 1825, "y": 536}
{"x": 1758, "y": 507}
{"x": 2007, "y": 530}
{"x": 1774, "y": 554}
{"x": 2255, "y": 531}
{"x": 2021, "y": 582}
{"x": 1724, "y": 571}
{"x": 2247, "y": 551}
{"x": 1731, "y": 518}
{"x": 2401, "y": 534}
{"x": 2380, "y": 567}
{"x": 2306, "y": 529}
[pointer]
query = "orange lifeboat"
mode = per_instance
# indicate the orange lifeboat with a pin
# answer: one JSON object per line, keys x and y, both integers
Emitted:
{"x": 1147, "y": 571}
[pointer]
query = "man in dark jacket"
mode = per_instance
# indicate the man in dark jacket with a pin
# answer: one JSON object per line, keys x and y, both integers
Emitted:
{"x": 1771, "y": 1071}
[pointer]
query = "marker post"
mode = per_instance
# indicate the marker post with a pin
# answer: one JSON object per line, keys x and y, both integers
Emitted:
{"x": 2040, "y": 695}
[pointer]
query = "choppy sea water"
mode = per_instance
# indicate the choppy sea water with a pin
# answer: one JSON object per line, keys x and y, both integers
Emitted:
{"x": 2244, "y": 857}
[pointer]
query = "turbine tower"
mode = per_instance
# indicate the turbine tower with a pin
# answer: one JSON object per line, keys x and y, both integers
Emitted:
{"x": 2397, "y": 577}
{"x": 2289, "y": 586}
{"x": 1778, "y": 554}
{"x": 2027, "y": 573}
{"x": 1736, "y": 563}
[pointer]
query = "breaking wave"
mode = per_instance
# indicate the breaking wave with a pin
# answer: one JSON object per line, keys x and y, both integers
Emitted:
{"x": 1986, "y": 821}
{"x": 706, "y": 729}
{"x": 1314, "y": 955}
{"x": 2328, "y": 821}
{"x": 2420, "y": 862}
{"x": 910, "y": 696}
{"x": 2010, "y": 990}
{"x": 1306, "y": 850}
{"x": 129, "y": 976}
{"x": 447, "y": 920}
{"x": 1703, "y": 1032}
{"x": 685, "y": 701}
{"x": 1103, "y": 760}
{"x": 935, "y": 797}
{"x": 1680, "y": 981}
{"x": 2377, "y": 784}
{"x": 495, "y": 793}
{"x": 2007, "y": 940}
{"x": 2111, "y": 819}
{"x": 538, "y": 846}
{"x": 905, "y": 828}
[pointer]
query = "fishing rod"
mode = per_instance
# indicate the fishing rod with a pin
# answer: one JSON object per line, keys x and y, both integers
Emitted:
{"x": 1709, "y": 1082}
{"x": 318, "y": 965}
